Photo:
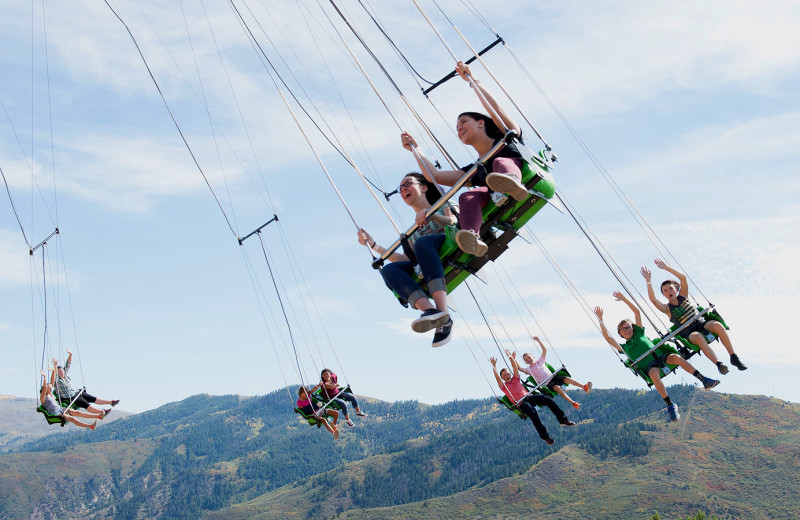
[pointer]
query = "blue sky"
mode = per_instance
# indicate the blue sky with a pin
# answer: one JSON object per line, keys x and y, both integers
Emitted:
{"x": 692, "y": 107}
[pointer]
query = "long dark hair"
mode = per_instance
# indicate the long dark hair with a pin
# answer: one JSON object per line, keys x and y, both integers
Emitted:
{"x": 492, "y": 130}
{"x": 432, "y": 194}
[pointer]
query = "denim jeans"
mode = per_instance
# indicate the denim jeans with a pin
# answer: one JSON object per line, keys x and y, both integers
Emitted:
{"x": 341, "y": 397}
{"x": 528, "y": 407}
{"x": 397, "y": 275}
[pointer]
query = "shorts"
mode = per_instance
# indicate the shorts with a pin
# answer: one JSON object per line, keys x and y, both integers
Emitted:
{"x": 658, "y": 361}
{"x": 698, "y": 326}
{"x": 84, "y": 399}
{"x": 555, "y": 380}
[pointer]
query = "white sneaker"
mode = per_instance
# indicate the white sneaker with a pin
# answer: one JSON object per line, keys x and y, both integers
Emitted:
{"x": 469, "y": 242}
{"x": 350, "y": 422}
{"x": 502, "y": 183}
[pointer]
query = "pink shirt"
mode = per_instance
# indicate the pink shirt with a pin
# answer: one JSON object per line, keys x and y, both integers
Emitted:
{"x": 302, "y": 403}
{"x": 538, "y": 370}
{"x": 513, "y": 389}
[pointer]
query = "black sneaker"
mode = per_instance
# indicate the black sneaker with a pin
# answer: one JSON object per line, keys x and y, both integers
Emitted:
{"x": 568, "y": 423}
{"x": 549, "y": 440}
{"x": 672, "y": 411}
{"x": 430, "y": 319}
{"x": 709, "y": 383}
{"x": 115, "y": 402}
{"x": 443, "y": 334}
{"x": 738, "y": 364}
{"x": 723, "y": 369}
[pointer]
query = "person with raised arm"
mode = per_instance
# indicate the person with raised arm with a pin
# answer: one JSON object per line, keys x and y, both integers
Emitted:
{"x": 512, "y": 387}
{"x": 501, "y": 174}
{"x": 541, "y": 373}
{"x": 330, "y": 391}
{"x": 637, "y": 344}
{"x": 680, "y": 310}
{"x": 68, "y": 394}
{"x": 420, "y": 194}
{"x": 53, "y": 409}
{"x": 308, "y": 407}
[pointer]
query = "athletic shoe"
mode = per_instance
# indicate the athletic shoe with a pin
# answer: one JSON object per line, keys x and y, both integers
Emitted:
{"x": 350, "y": 422}
{"x": 93, "y": 425}
{"x": 443, "y": 334}
{"x": 430, "y": 319}
{"x": 469, "y": 242}
{"x": 588, "y": 387}
{"x": 672, "y": 411}
{"x": 106, "y": 412}
{"x": 738, "y": 364}
{"x": 502, "y": 183}
{"x": 568, "y": 423}
{"x": 709, "y": 383}
{"x": 723, "y": 369}
{"x": 576, "y": 405}
{"x": 361, "y": 414}
{"x": 115, "y": 402}
{"x": 549, "y": 440}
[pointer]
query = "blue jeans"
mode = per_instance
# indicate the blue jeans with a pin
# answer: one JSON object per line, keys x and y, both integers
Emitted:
{"x": 341, "y": 397}
{"x": 397, "y": 275}
{"x": 528, "y": 407}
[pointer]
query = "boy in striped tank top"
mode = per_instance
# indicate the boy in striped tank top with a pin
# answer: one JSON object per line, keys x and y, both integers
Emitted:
{"x": 680, "y": 310}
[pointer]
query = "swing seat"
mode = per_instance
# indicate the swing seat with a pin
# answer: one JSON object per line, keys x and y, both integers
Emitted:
{"x": 313, "y": 420}
{"x": 665, "y": 370}
{"x": 505, "y": 401}
{"x": 508, "y": 219}
{"x": 688, "y": 348}
{"x": 51, "y": 419}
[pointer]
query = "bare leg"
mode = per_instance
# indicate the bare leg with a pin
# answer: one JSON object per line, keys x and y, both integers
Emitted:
{"x": 440, "y": 298}
{"x": 674, "y": 359}
{"x": 102, "y": 401}
{"x": 76, "y": 422}
{"x": 335, "y": 415}
{"x": 655, "y": 376}
{"x": 717, "y": 328}
{"x": 92, "y": 408}
{"x": 571, "y": 381}
{"x": 698, "y": 339}
{"x": 560, "y": 391}
{"x": 423, "y": 304}
{"x": 78, "y": 413}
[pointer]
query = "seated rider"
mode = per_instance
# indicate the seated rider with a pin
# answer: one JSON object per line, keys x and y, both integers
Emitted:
{"x": 53, "y": 409}
{"x": 636, "y": 344}
{"x": 331, "y": 391}
{"x": 308, "y": 407}
{"x": 541, "y": 373}
{"x": 680, "y": 310}
{"x": 501, "y": 174}
{"x": 420, "y": 194}
{"x": 67, "y": 393}
{"x": 515, "y": 391}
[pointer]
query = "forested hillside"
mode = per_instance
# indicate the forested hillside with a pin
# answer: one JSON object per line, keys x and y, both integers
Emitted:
{"x": 232, "y": 457}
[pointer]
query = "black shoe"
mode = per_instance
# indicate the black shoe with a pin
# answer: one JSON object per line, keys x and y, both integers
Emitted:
{"x": 568, "y": 423}
{"x": 106, "y": 412}
{"x": 549, "y": 440}
{"x": 443, "y": 334}
{"x": 738, "y": 364}
{"x": 709, "y": 383}
{"x": 115, "y": 402}
{"x": 722, "y": 368}
{"x": 672, "y": 412}
{"x": 430, "y": 319}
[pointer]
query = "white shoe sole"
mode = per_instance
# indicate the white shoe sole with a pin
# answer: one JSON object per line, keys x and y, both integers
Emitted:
{"x": 471, "y": 243}
{"x": 505, "y": 184}
{"x": 444, "y": 341}
{"x": 430, "y": 322}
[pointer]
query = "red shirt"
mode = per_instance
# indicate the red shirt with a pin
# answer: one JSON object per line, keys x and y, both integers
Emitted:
{"x": 514, "y": 389}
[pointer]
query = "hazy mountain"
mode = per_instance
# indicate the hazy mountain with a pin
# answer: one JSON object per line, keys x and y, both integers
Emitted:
{"x": 232, "y": 457}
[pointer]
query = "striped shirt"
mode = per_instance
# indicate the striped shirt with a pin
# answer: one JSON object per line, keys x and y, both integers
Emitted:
{"x": 683, "y": 312}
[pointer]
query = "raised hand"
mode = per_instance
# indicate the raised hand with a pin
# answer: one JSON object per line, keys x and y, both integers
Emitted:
{"x": 619, "y": 296}
{"x": 408, "y": 141}
{"x": 660, "y": 263}
{"x": 463, "y": 70}
{"x": 646, "y": 273}
{"x": 599, "y": 312}
{"x": 364, "y": 238}
{"x": 493, "y": 361}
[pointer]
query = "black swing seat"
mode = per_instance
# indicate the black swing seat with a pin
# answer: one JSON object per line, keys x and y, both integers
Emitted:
{"x": 51, "y": 419}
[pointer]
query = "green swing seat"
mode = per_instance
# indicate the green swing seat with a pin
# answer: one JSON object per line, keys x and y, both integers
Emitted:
{"x": 51, "y": 419}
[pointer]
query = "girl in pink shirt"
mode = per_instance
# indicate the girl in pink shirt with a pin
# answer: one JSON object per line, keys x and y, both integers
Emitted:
{"x": 543, "y": 376}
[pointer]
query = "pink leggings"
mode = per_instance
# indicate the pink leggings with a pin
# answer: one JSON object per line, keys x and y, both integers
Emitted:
{"x": 472, "y": 201}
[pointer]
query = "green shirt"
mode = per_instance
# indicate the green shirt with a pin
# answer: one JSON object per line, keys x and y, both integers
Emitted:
{"x": 638, "y": 345}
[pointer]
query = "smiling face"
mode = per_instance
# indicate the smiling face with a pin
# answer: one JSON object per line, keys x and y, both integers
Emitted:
{"x": 326, "y": 375}
{"x": 625, "y": 329}
{"x": 412, "y": 192}
{"x": 61, "y": 373}
{"x": 527, "y": 358}
{"x": 469, "y": 128}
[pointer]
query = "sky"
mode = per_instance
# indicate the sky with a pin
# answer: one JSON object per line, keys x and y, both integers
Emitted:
{"x": 691, "y": 107}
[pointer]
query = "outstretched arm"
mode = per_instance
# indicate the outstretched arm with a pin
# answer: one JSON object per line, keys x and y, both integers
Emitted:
{"x": 514, "y": 364}
{"x": 679, "y": 275}
{"x": 541, "y": 345}
{"x": 611, "y": 341}
{"x": 493, "y": 360}
{"x": 487, "y": 100}
{"x": 446, "y": 177}
{"x": 365, "y": 239}
{"x": 68, "y": 363}
{"x": 43, "y": 393}
{"x": 637, "y": 315}
{"x": 647, "y": 275}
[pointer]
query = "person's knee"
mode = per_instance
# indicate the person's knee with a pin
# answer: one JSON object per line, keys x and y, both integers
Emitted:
{"x": 714, "y": 326}
{"x": 696, "y": 338}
